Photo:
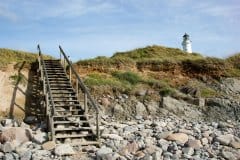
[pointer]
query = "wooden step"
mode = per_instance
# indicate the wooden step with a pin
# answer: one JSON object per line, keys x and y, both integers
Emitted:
{"x": 69, "y": 122}
{"x": 74, "y": 136}
{"x": 65, "y": 116}
{"x": 86, "y": 143}
{"x": 72, "y": 110}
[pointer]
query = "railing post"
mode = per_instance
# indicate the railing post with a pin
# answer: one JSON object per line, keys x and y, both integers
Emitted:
{"x": 97, "y": 126}
{"x": 47, "y": 105}
{"x": 85, "y": 103}
{"x": 77, "y": 87}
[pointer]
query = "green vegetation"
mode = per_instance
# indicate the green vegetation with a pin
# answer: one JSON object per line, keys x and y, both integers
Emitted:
{"x": 131, "y": 77}
{"x": 208, "y": 92}
{"x": 166, "y": 91}
{"x": 8, "y": 56}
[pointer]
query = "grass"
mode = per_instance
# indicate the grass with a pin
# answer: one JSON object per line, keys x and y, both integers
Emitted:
{"x": 130, "y": 77}
{"x": 8, "y": 56}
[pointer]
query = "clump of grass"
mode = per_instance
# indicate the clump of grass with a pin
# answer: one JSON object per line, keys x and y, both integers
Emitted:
{"x": 167, "y": 91}
{"x": 208, "y": 92}
{"x": 131, "y": 77}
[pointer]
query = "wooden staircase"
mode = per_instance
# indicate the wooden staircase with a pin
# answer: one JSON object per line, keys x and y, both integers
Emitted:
{"x": 68, "y": 120}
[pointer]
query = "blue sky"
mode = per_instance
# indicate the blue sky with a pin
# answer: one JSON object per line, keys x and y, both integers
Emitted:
{"x": 90, "y": 28}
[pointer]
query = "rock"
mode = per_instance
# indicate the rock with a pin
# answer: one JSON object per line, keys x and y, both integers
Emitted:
{"x": 131, "y": 148}
{"x": 7, "y": 147}
{"x": 130, "y": 129}
{"x": 163, "y": 144}
{"x": 40, "y": 137}
{"x": 31, "y": 119}
{"x": 8, "y": 156}
{"x": 195, "y": 144}
{"x": 189, "y": 132}
{"x": 140, "y": 154}
{"x": 157, "y": 155}
{"x": 188, "y": 151}
{"x": 225, "y": 139}
{"x": 15, "y": 133}
{"x": 152, "y": 107}
{"x": 102, "y": 152}
{"x": 235, "y": 144}
{"x": 41, "y": 154}
{"x": 7, "y": 122}
{"x": 229, "y": 155}
{"x": 50, "y": 145}
{"x": 64, "y": 150}
{"x": 112, "y": 136}
{"x": 204, "y": 141}
{"x": 140, "y": 109}
{"x": 173, "y": 105}
{"x": 105, "y": 102}
{"x": 26, "y": 155}
{"x": 179, "y": 137}
{"x": 163, "y": 135}
{"x": 141, "y": 92}
{"x": 119, "y": 112}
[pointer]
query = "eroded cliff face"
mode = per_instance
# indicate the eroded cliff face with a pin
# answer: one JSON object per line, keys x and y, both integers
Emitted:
{"x": 13, "y": 90}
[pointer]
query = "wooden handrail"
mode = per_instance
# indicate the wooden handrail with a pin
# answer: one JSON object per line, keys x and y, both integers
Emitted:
{"x": 83, "y": 88}
{"x": 42, "y": 63}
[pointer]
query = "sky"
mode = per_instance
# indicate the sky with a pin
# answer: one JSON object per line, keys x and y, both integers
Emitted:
{"x": 90, "y": 28}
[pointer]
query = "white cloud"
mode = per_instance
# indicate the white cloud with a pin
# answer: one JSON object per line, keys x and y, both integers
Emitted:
{"x": 33, "y": 9}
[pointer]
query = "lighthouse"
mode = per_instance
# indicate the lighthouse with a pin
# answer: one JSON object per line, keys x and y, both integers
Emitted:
{"x": 187, "y": 43}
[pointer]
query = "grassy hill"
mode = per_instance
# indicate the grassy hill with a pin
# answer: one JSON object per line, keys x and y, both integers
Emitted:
{"x": 155, "y": 67}
{"x": 9, "y": 56}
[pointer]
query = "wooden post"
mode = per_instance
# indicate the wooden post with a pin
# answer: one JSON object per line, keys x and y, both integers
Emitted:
{"x": 47, "y": 105}
{"x": 44, "y": 86}
{"x": 70, "y": 73}
{"x": 85, "y": 103}
{"x": 77, "y": 87}
{"x": 97, "y": 126}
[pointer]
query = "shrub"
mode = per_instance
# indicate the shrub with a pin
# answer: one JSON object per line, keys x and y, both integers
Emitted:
{"x": 166, "y": 91}
{"x": 132, "y": 78}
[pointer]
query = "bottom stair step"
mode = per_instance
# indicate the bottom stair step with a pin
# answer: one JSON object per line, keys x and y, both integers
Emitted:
{"x": 74, "y": 136}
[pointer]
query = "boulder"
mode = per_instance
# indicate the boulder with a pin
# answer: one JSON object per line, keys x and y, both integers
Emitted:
{"x": 195, "y": 144}
{"x": 50, "y": 145}
{"x": 188, "y": 151}
{"x": 225, "y": 139}
{"x": 7, "y": 147}
{"x": 235, "y": 144}
{"x": 40, "y": 137}
{"x": 64, "y": 150}
{"x": 26, "y": 155}
{"x": 140, "y": 109}
{"x": 179, "y": 137}
{"x": 15, "y": 133}
{"x": 102, "y": 152}
{"x": 112, "y": 136}
{"x": 229, "y": 155}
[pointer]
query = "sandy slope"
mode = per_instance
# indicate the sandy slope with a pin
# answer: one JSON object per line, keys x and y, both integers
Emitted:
{"x": 11, "y": 95}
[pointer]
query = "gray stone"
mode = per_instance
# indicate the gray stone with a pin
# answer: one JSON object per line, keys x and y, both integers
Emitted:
{"x": 31, "y": 119}
{"x": 40, "y": 137}
{"x": 188, "y": 151}
{"x": 157, "y": 155}
{"x": 50, "y": 145}
{"x": 225, "y": 139}
{"x": 64, "y": 150}
{"x": 163, "y": 144}
{"x": 26, "y": 155}
{"x": 140, "y": 109}
{"x": 8, "y": 156}
{"x": 41, "y": 154}
{"x": 229, "y": 155}
{"x": 7, "y": 122}
{"x": 103, "y": 151}
{"x": 7, "y": 147}
{"x": 112, "y": 136}
{"x": 130, "y": 129}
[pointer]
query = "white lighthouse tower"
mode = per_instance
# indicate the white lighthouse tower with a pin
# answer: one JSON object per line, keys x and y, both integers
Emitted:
{"x": 187, "y": 43}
